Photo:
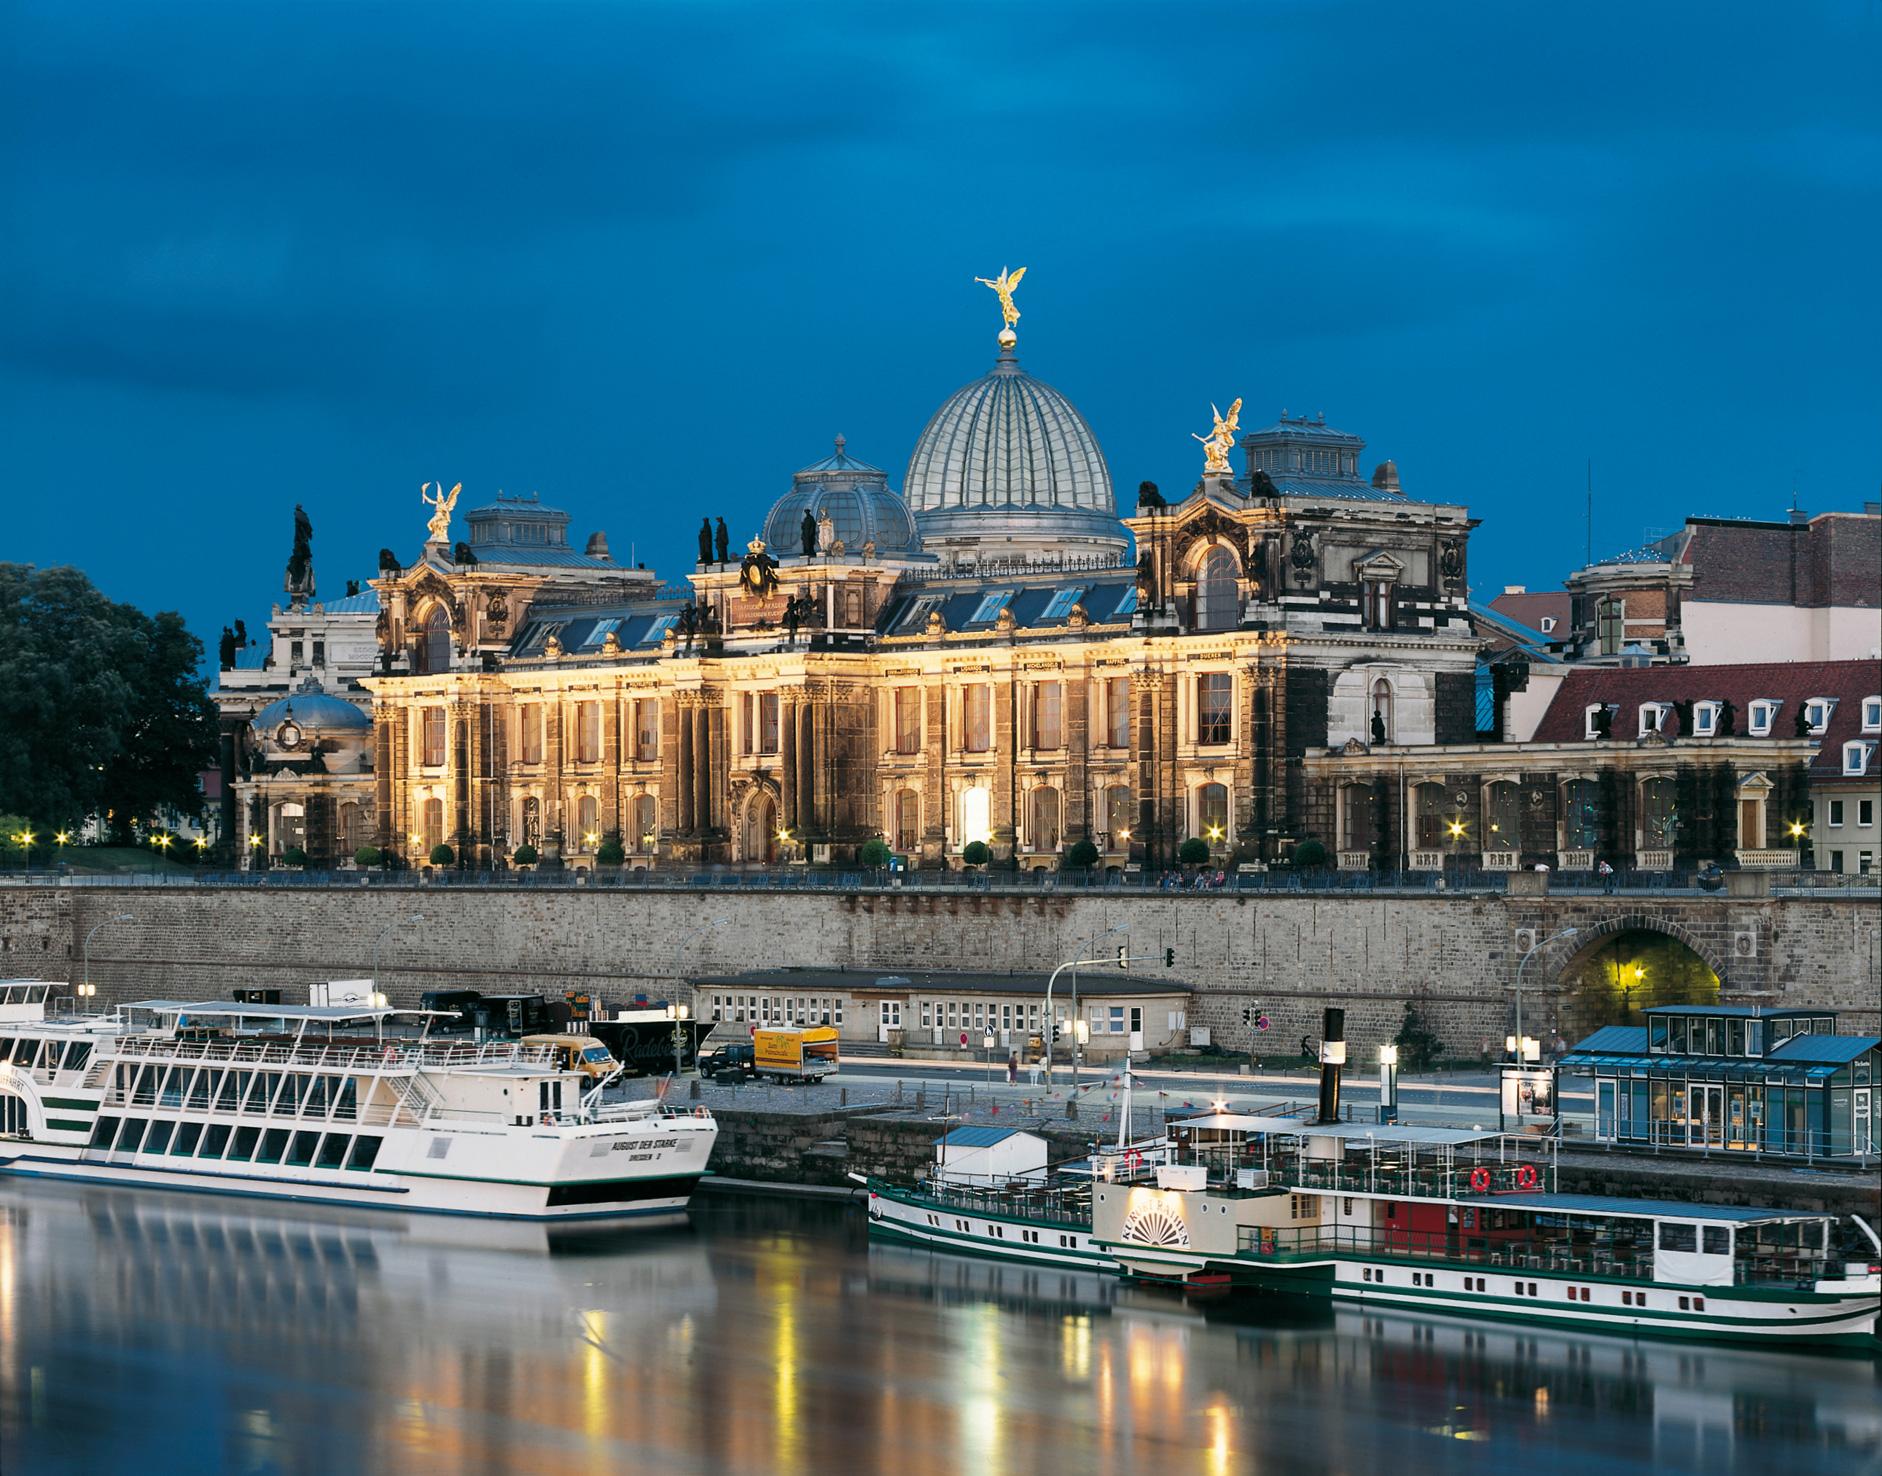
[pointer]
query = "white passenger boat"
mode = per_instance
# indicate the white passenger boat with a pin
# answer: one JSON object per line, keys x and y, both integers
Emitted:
{"x": 339, "y": 1103}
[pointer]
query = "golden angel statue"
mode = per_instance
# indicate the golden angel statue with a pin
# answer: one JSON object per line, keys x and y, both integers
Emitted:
{"x": 1004, "y": 285}
{"x": 442, "y": 501}
{"x": 1220, "y": 441}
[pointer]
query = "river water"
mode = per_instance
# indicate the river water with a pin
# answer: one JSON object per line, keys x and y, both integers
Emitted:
{"x": 145, "y": 1333}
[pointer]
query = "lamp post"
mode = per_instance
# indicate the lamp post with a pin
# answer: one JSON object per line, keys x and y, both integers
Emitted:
{"x": 85, "y": 984}
{"x": 986, "y": 1046}
{"x": 1388, "y": 1082}
{"x": 677, "y": 1013}
{"x": 416, "y": 917}
{"x": 1074, "y": 964}
{"x": 1522, "y": 964}
{"x": 1455, "y": 829}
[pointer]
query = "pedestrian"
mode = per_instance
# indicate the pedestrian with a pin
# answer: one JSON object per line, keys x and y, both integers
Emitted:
{"x": 1012, "y": 1070}
{"x": 1032, "y": 1073}
{"x": 1606, "y": 873}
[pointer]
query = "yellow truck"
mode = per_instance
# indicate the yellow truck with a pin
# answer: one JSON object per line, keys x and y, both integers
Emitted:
{"x": 795, "y": 1053}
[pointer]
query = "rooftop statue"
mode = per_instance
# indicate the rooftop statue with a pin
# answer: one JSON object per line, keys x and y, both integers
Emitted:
{"x": 1004, "y": 285}
{"x": 1220, "y": 441}
{"x": 442, "y": 501}
{"x": 301, "y": 560}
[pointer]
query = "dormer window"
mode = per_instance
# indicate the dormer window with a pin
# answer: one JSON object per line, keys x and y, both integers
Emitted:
{"x": 1872, "y": 714}
{"x": 1653, "y": 716}
{"x": 1817, "y": 713}
{"x": 1705, "y": 719}
{"x": 1597, "y": 720}
{"x": 990, "y": 606}
{"x": 1856, "y": 756}
{"x": 1762, "y": 714}
{"x": 1548, "y": 624}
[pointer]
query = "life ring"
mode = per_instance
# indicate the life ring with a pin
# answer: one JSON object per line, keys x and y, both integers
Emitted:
{"x": 1479, "y": 1180}
{"x": 1526, "y": 1176}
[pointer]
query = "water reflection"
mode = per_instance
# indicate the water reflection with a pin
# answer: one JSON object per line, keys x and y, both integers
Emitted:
{"x": 149, "y": 1333}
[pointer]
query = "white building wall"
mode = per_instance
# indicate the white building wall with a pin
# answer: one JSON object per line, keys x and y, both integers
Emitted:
{"x": 1720, "y": 634}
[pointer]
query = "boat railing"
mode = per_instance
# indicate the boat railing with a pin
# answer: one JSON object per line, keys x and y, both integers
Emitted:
{"x": 1598, "y": 1253}
{"x": 383, "y": 1058}
{"x": 1017, "y": 1199}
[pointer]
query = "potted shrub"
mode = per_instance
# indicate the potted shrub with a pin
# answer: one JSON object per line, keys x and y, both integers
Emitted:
{"x": 525, "y": 855}
{"x": 1309, "y": 855}
{"x": 976, "y": 853}
{"x": 294, "y": 856}
{"x": 367, "y": 857}
{"x": 610, "y": 852}
{"x": 1193, "y": 852}
{"x": 1081, "y": 856}
{"x": 443, "y": 855}
{"x": 875, "y": 854}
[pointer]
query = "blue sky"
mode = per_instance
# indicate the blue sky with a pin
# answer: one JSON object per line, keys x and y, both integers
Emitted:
{"x": 647, "y": 259}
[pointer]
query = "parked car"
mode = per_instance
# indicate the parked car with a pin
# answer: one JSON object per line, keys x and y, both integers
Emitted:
{"x": 739, "y": 1062}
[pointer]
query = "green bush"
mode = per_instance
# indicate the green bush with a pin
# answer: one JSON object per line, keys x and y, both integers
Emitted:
{"x": 876, "y": 853}
{"x": 525, "y": 855}
{"x": 1310, "y": 853}
{"x": 1418, "y": 1046}
{"x": 443, "y": 855}
{"x": 976, "y": 853}
{"x": 611, "y": 852}
{"x": 294, "y": 856}
{"x": 368, "y": 856}
{"x": 1194, "y": 852}
{"x": 1081, "y": 855}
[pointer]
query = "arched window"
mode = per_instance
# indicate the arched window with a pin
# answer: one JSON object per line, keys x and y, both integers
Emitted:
{"x": 1659, "y": 814}
{"x": 1212, "y": 813}
{"x": 646, "y": 813}
{"x": 1430, "y": 805}
{"x": 976, "y": 816}
{"x": 434, "y": 646}
{"x": 1579, "y": 831}
{"x": 905, "y": 819}
{"x": 1503, "y": 817}
{"x": 1379, "y": 720}
{"x": 532, "y": 822}
{"x": 587, "y": 823}
{"x": 1045, "y": 819}
{"x": 432, "y": 828}
{"x": 1357, "y": 831}
{"x": 290, "y": 826}
{"x": 1120, "y": 817}
{"x": 1218, "y": 600}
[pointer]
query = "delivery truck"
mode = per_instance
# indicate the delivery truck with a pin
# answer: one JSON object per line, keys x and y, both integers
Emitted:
{"x": 795, "y": 1053}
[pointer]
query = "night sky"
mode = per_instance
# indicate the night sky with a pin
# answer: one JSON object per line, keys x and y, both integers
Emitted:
{"x": 648, "y": 260}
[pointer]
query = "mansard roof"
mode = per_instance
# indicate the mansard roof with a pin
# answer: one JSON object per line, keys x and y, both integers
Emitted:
{"x": 1108, "y": 597}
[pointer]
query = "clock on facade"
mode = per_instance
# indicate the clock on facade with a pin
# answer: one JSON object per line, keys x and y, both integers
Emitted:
{"x": 288, "y": 736}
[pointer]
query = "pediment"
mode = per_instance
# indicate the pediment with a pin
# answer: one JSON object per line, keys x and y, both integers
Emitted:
{"x": 1377, "y": 565}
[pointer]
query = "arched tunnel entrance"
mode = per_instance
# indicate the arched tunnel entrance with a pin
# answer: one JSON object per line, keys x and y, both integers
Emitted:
{"x": 1625, "y": 970}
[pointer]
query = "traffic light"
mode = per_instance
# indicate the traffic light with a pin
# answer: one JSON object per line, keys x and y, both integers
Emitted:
{"x": 1123, "y": 955}
{"x": 1245, "y": 1016}
{"x": 1055, "y": 1032}
{"x": 1169, "y": 958}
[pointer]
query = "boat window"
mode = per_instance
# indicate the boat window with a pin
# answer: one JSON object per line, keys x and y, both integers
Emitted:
{"x": 158, "y": 1139}
{"x": 188, "y": 1134}
{"x": 316, "y": 1100}
{"x": 170, "y": 1090}
{"x": 1656, "y": 1035}
{"x": 1718, "y": 1240}
{"x": 301, "y": 1150}
{"x": 103, "y": 1130}
{"x": 333, "y": 1150}
{"x": 6, "y": 1048}
{"x": 131, "y": 1135}
{"x": 365, "y": 1151}
{"x": 1679, "y": 1237}
{"x": 274, "y": 1143}
{"x": 76, "y": 1058}
{"x": 346, "y": 1100}
{"x": 242, "y": 1146}
{"x": 215, "y": 1139}
{"x": 287, "y": 1101}
{"x": 200, "y": 1089}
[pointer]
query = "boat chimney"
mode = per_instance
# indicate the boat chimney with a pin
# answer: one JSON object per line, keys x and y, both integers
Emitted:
{"x": 1332, "y": 1058}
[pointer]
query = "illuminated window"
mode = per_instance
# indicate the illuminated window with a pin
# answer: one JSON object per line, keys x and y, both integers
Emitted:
{"x": 1048, "y": 714}
{"x": 977, "y": 718}
{"x": 1214, "y": 708}
{"x": 907, "y": 705}
{"x": 434, "y": 737}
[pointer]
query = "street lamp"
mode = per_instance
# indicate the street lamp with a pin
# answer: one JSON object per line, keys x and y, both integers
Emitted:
{"x": 1517, "y": 1039}
{"x": 416, "y": 917}
{"x": 986, "y": 1046}
{"x": 1074, "y": 964}
{"x": 677, "y": 1014}
{"x": 1388, "y": 1082}
{"x": 86, "y": 987}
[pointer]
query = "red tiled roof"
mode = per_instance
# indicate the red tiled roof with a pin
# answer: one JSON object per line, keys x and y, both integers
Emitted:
{"x": 1791, "y": 683}
{"x": 1530, "y": 608}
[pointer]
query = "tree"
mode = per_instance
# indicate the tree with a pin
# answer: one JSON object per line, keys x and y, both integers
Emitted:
{"x": 876, "y": 853}
{"x": 106, "y": 714}
{"x": 1418, "y": 1046}
{"x": 525, "y": 855}
{"x": 367, "y": 856}
{"x": 611, "y": 852}
{"x": 1310, "y": 853}
{"x": 443, "y": 855}
{"x": 1193, "y": 852}
{"x": 294, "y": 856}
{"x": 976, "y": 853}
{"x": 1081, "y": 855}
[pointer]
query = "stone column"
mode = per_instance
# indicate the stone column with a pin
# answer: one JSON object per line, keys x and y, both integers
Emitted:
{"x": 806, "y": 763}
{"x": 687, "y": 817}
{"x": 702, "y": 767}
{"x": 1076, "y": 814}
{"x": 787, "y": 763}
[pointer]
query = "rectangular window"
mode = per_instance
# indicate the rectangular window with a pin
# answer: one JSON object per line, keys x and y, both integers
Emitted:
{"x": 1763, "y": 713}
{"x": 1865, "y": 812}
{"x": 1705, "y": 719}
{"x": 365, "y": 1152}
{"x": 157, "y": 1140}
{"x": 242, "y": 1146}
{"x": 588, "y": 732}
{"x": 977, "y": 718}
{"x": 188, "y": 1134}
{"x": 990, "y": 606}
{"x": 1060, "y": 605}
{"x": 274, "y": 1143}
{"x": 301, "y": 1149}
{"x": 1679, "y": 1237}
{"x": 1718, "y": 1240}
{"x": 529, "y": 741}
{"x": 1048, "y": 715}
{"x": 434, "y": 737}
{"x": 216, "y": 1139}
{"x": 1117, "y": 712}
{"x": 907, "y": 704}
{"x": 103, "y": 1129}
{"x": 1836, "y": 812}
{"x": 333, "y": 1150}
{"x": 767, "y": 722}
{"x": 647, "y": 730}
{"x": 1214, "y": 707}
